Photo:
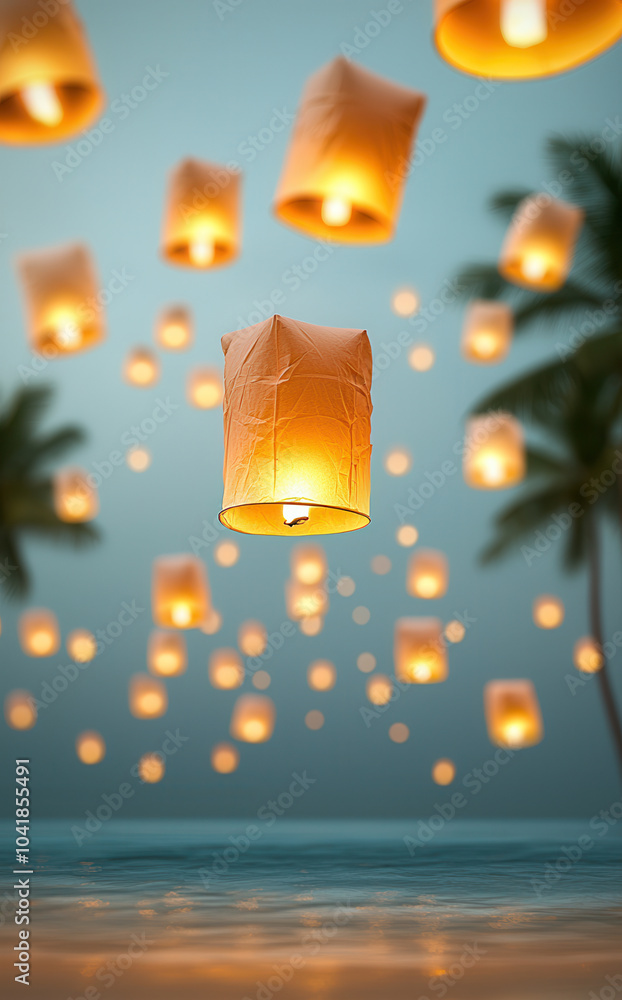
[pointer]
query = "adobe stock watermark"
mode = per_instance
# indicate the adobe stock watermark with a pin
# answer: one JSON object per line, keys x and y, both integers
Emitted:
{"x": 112, "y": 970}
{"x": 31, "y": 26}
{"x": 579, "y": 679}
{"x": 599, "y": 826}
{"x": 441, "y": 984}
{"x": 131, "y": 438}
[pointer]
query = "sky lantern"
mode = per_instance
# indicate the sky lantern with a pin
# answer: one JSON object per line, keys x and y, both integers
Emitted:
{"x": 174, "y": 329}
{"x": 379, "y": 689}
{"x": 443, "y": 771}
{"x": 494, "y": 453}
{"x": 305, "y": 600}
{"x": 524, "y": 39}
{"x": 587, "y": 655}
{"x": 75, "y": 499}
{"x": 252, "y": 638}
{"x": 138, "y": 459}
{"x": 148, "y": 697}
{"x": 90, "y": 747}
{"x": 344, "y": 172}
{"x": 312, "y": 625}
{"x": 405, "y": 301}
{"x": 321, "y": 675}
{"x": 204, "y": 388}
{"x": 62, "y": 298}
{"x": 539, "y": 245}
{"x": 212, "y": 623}
{"x": 226, "y": 554}
{"x": 180, "y": 595}
{"x": 308, "y": 564}
{"x": 49, "y": 89}
{"x": 253, "y": 718}
{"x": 225, "y": 669}
{"x": 428, "y": 574}
{"x": 167, "y": 655}
{"x": 38, "y": 632}
{"x": 487, "y": 332}
{"x": 202, "y": 223}
{"x": 548, "y": 611}
{"x": 225, "y": 758}
{"x": 513, "y": 713}
{"x": 19, "y": 710}
{"x": 141, "y": 368}
{"x": 81, "y": 645}
{"x": 297, "y": 414}
{"x": 151, "y": 768}
{"x": 419, "y": 651}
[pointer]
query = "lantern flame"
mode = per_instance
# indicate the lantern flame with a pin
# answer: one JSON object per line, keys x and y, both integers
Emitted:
{"x": 181, "y": 614}
{"x": 523, "y": 22}
{"x": 42, "y": 103}
{"x": 202, "y": 251}
{"x": 534, "y": 266}
{"x": 68, "y": 334}
{"x": 336, "y": 211}
{"x": 295, "y": 514}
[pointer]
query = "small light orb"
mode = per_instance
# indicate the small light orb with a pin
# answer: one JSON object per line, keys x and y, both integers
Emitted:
{"x": 379, "y": 689}
{"x": 174, "y": 330}
{"x": 398, "y": 462}
{"x": 421, "y": 358}
{"x": 444, "y": 771}
{"x": 399, "y": 732}
{"x": 148, "y": 697}
{"x": 81, "y": 645}
{"x": 314, "y": 719}
{"x": 361, "y": 615}
{"x": 587, "y": 655}
{"x": 19, "y": 710}
{"x": 226, "y": 554}
{"x": 90, "y": 747}
{"x": 405, "y": 302}
{"x": 407, "y": 535}
{"x": 138, "y": 459}
{"x": 204, "y": 388}
{"x": 548, "y": 611}
{"x": 454, "y": 631}
{"x": 252, "y": 638}
{"x": 312, "y": 625}
{"x": 212, "y": 624}
{"x": 151, "y": 768}
{"x": 381, "y": 565}
{"x": 346, "y": 586}
{"x": 39, "y": 634}
{"x": 321, "y": 675}
{"x": 225, "y": 669}
{"x": 366, "y": 662}
{"x": 262, "y": 680}
{"x": 141, "y": 368}
{"x": 225, "y": 758}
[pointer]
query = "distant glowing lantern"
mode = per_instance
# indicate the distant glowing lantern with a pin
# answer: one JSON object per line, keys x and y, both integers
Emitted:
{"x": 75, "y": 499}
{"x": 19, "y": 710}
{"x": 308, "y": 564}
{"x": 297, "y": 426}
{"x": 212, "y": 623}
{"x": 204, "y": 388}
{"x": 138, "y": 459}
{"x": 174, "y": 330}
{"x": 345, "y": 586}
{"x": 428, "y": 574}
{"x": 419, "y": 651}
{"x": 151, "y": 768}
{"x": 90, "y": 747}
{"x": 252, "y": 638}
{"x": 366, "y": 662}
{"x": 454, "y": 631}
{"x": 305, "y": 600}
{"x": 487, "y": 332}
{"x": 548, "y": 611}
{"x": 405, "y": 302}
{"x": 524, "y": 39}
{"x": 494, "y": 454}
{"x": 202, "y": 218}
{"x": 406, "y": 535}
{"x": 588, "y": 655}
{"x": 141, "y": 368}
{"x": 444, "y": 771}
{"x": 253, "y": 718}
{"x": 321, "y": 675}
{"x": 312, "y": 625}
{"x": 60, "y": 286}
{"x": 361, "y": 615}
{"x": 513, "y": 713}
{"x": 226, "y": 554}
{"x": 38, "y": 632}
{"x": 225, "y": 758}
{"x": 49, "y": 89}
{"x": 539, "y": 245}
{"x": 314, "y": 719}
{"x": 225, "y": 669}
{"x": 180, "y": 596}
{"x": 421, "y": 357}
{"x": 379, "y": 689}
{"x": 148, "y": 697}
{"x": 261, "y": 680}
{"x": 81, "y": 645}
{"x": 399, "y": 732}
{"x": 381, "y": 565}
{"x": 167, "y": 655}
{"x": 398, "y": 461}
{"x": 344, "y": 173}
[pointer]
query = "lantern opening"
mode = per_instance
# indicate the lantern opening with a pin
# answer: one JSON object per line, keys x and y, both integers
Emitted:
{"x": 534, "y": 266}
{"x": 336, "y": 211}
{"x": 181, "y": 614}
{"x": 202, "y": 251}
{"x": 42, "y": 103}
{"x": 295, "y": 514}
{"x": 523, "y": 22}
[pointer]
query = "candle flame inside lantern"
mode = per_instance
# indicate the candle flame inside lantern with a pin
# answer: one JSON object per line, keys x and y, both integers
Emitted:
{"x": 295, "y": 514}
{"x": 523, "y": 22}
{"x": 68, "y": 334}
{"x": 202, "y": 250}
{"x": 181, "y": 614}
{"x": 336, "y": 211}
{"x": 42, "y": 103}
{"x": 534, "y": 266}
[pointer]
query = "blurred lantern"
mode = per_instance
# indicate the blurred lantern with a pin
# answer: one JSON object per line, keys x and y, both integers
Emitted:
{"x": 253, "y": 718}
{"x": 74, "y": 498}
{"x": 321, "y": 675}
{"x": 202, "y": 217}
{"x": 428, "y": 574}
{"x": 381, "y": 565}
{"x": 174, "y": 329}
{"x": 366, "y": 662}
{"x": 308, "y": 564}
{"x": 548, "y": 611}
{"x": 487, "y": 331}
{"x": 90, "y": 747}
{"x": 399, "y": 732}
{"x": 419, "y": 651}
{"x": 588, "y": 655}
{"x": 379, "y": 689}
{"x": 314, "y": 720}
{"x": 61, "y": 296}
{"x": 406, "y": 535}
{"x": 345, "y": 586}
{"x": 297, "y": 424}
{"x": 141, "y": 368}
{"x": 151, "y": 768}
{"x": 225, "y": 669}
{"x": 454, "y": 631}
{"x": 405, "y": 302}
{"x": 81, "y": 645}
{"x": 49, "y": 89}
{"x": 212, "y": 623}
{"x": 344, "y": 174}
{"x": 305, "y": 600}
{"x": 312, "y": 625}
{"x": 252, "y": 638}
{"x": 180, "y": 596}
{"x": 225, "y": 758}
{"x": 398, "y": 461}
{"x": 524, "y": 39}
{"x": 513, "y": 713}
{"x": 38, "y": 632}
{"x": 19, "y": 710}
{"x": 167, "y": 655}
{"x": 444, "y": 771}
{"x": 494, "y": 452}
{"x": 148, "y": 697}
{"x": 538, "y": 247}
{"x": 361, "y": 615}
{"x": 138, "y": 459}
{"x": 204, "y": 388}
{"x": 421, "y": 357}
{"x": 261, "y": 680}
{"x": 226, "y": 554}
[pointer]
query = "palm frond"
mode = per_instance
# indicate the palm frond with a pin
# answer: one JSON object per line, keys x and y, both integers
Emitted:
{"x": 39, "y": 452}
{"x": 531, "y": 395}
{"x": 521, "y": 520}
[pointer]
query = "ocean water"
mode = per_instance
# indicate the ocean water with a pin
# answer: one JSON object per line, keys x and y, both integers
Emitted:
{"x": 149, "y": 910}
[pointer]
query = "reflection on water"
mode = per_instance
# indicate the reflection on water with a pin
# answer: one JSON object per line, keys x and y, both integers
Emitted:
{"x": 337, "y": 910}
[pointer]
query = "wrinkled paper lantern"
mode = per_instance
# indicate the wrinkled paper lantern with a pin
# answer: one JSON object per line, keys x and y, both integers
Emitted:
{"x": 428, "y": 574}
{"x": 75, "y": 499}
{"x": 253, "y": 718}
{"x": 588, "y": 655}
{"x": 252, "y": 638}
{"x": 539, "y": 245}
{"x": 225, "y": 758}
{"x": 174, "y": 330}
{"x": 151, "y": 768}
{"x": 180, "y": 596}
{"x": 141, "y": 368}
{"x": 419, "y": 651}
{"x": 524, "y": 39}
{"x": 349, "y": 155}
{"x": 487, "y": 332}
{"x": 225, "y": 669}
{"x": 513, "y": 713}
{"x": 321, "y": 675}
{"x": 38, "y": 632}
{"x": 308, "y": 564}
{"x": 62, "y": 300}
{"x": 148, "y": 697}
{"x": 49, "y": 88}
{"x": 90, "y": 747}
{"x": 494, "y": 453}
{"x": 548, "y": 611}
{"x": 81, "y": 645}
{"x": 19, "y": 710}
{"x": 167, "y": 654}
{"x": 204, "y": 388}
{"x": 305, "y": 600}
{"x": 297, "y": 415}
{"x": 202, "y": 217}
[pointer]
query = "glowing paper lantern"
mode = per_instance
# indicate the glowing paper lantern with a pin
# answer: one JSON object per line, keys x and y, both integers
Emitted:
{"x": 524, "y": 39}
{"x": 314, "y": 720}
{"x": 454, "y": 631}
{"x": 49, "y": 88}
{"x": 321, "y": 675}
{"x": 308, "y": 564}
{"x": 539, "y": 244}
{"x": 62, "y": 299}
{"x": 151, "y": 768}
{"x": 225, "y": 758}
{"x": 513, "y": 713}
{"x": 202, "y": 217}
{"x": 344, "y": 172}
{"x": 421, "y": 357}
{"x": 399, "y": 732}
{"x": 428, "y": 574}
{"x": 226, "y": 554}
{"x": 138, "y": 459}
{"x": 174, "y": 330}
{"x": 253, "y": 718}
{"x": 494, "y": 453}
{"x": 297, "y": 426}
{"x": 381, "y": 565}
{"x": 212, "y": 623}
{"x": 90, "y": 747}
{"x": 225, "y": 669}
{"x": 406, "y": 535}
{"x": 366, "y": 662}
{"x": 204, "y": 388}
{"x": 487, "y": 332}
{"x": 345, "y": 586}
{"x": 312, "y": 625}
{"x": 419, "y": 651}
{"x": 305, "y": 600}
{"x": 148, "y": 697}
{"x": 141, "y": 368}
{"x": 19, "y": 710}
{"x": 167, "y": 655}
{"x": 180, "y": 596}
{"x": 38, "y": 632}
{"x": 405, "y": 302}
{"x": 444, "y": 771}
{"x": 548, "y": 611}
{"x": 588, "y": 655}
{"x": 252, "y": 638}
{"x": 75, "y": 500}
{"x": 81, "y": 645}
{"x": 379, "y": 689}
{"x": 398, "y": 462}
{"x": 261, "y": 680}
